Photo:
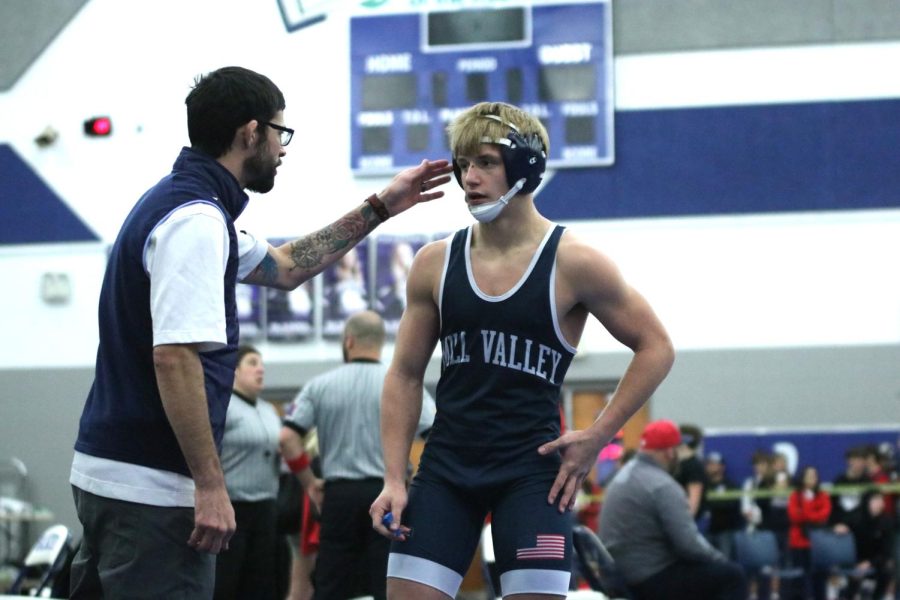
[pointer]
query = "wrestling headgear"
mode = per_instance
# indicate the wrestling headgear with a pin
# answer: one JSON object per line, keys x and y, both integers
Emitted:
{"x": 524, "y": 158}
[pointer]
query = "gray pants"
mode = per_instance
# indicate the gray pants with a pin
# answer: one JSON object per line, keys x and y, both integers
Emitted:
{"x": 134, "y": 551}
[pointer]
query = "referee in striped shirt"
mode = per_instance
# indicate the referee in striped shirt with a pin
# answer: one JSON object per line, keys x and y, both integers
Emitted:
{"x": 250, "y": 460}
{"x": 344, "y": 405}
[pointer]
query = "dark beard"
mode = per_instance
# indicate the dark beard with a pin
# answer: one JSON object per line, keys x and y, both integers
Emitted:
{"x": 260, "y": 172}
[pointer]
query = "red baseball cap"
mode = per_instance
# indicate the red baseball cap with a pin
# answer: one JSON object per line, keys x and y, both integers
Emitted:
{"x": 659, "y": 435}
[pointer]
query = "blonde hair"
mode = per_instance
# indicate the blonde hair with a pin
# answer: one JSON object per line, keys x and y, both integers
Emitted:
{"x": 467, "y": 131}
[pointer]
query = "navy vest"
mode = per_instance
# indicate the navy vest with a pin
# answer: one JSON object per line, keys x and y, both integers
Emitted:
{"x": 503, "y": 364}
{"x": 123, "y": 417}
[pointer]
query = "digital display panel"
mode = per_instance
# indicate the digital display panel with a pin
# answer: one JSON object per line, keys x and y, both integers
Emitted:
{"x": 466, "y": 27}
{"x": 384, "y": 92}
{"x": 417, "y": 137}
{"x": 439, "y": 88}
{"x": 477, "y": 87}
{"x": 514, "y": 85}
{"x": 376, "y": 140}
{"x": 580, "y": 130}
{"x": 413, "y": 71}
{"x": 567, "y": 83}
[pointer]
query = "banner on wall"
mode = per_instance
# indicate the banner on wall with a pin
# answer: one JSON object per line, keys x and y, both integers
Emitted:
{"x": 823, "y": 449}
{"x": 270, "y": 314}
{"x": 392, "y": 259}
{"x": 370, "y": 276}
{"x": 345, "y": 290}
{"x": 250, "y": 312}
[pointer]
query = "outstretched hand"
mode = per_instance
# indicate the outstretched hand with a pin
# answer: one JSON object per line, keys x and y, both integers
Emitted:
{"x": 578, "y": 451}
{"x": 414, "y": 185}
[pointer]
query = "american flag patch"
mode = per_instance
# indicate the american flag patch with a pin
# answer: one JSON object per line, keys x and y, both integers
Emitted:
{"x": 547, "y": 546}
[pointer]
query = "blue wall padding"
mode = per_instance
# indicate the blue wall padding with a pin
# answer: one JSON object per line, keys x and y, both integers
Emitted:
{"x": 824, "y": 450}
{"x": 738, "y": 160}
{"x": 30, "y": 212}
{"x": 674, "y": 162}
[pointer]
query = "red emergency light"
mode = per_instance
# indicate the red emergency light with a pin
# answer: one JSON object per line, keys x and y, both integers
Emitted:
{"x": 98, "y": 126}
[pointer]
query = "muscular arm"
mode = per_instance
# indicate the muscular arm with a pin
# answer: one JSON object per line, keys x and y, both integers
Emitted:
{"x": 589, "y": 281}
{"x": 401, "y": 398}
{"x": 290, "y": 264}
{"x": 179, "y": 375}
{"x": 631, "y": 320}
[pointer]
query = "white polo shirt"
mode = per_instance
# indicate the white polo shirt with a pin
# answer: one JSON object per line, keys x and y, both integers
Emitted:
{"x": 185, "y": 257}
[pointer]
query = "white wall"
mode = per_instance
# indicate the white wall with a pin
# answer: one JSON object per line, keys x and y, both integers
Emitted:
{"x": 736, "y": 282}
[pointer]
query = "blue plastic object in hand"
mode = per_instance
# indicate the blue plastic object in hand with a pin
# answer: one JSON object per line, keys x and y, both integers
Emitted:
{"x": 387, "y": 519}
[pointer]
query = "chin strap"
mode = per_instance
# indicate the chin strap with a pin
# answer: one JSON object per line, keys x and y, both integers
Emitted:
{"x": 488, "y": 212}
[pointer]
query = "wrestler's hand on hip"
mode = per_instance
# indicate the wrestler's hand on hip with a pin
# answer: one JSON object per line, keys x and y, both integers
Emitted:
{"x": 578, "y": 451}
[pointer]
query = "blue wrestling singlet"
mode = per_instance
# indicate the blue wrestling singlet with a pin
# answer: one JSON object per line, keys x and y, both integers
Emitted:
{"x": 504, "y": 360}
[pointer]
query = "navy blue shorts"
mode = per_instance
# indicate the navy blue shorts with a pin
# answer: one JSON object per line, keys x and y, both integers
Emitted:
{"x": 532, "y": 539}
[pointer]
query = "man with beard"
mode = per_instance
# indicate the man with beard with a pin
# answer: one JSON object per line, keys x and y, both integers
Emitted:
{"x": 648, "y": 528}
{"x": 146, "y": 476}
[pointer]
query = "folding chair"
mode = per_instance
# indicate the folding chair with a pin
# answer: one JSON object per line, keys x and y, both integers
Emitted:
{"x": 46, "y": 561}
{"x": 835, "y": 554}
{"x": 488, "y": 563}
{"x": 758, "y": 553}
{"x": 596, "y": 565}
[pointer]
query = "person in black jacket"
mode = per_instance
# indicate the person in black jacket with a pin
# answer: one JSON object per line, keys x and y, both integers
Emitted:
{"x": 724, "y": 515}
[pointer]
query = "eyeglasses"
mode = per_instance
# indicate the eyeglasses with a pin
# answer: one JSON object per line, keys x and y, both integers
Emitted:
{"x": 284, "y": 133}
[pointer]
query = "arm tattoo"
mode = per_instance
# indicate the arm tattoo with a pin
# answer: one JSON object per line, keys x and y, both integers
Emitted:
{"x": 266, "y": 272}
{"x": 310, "y": 252}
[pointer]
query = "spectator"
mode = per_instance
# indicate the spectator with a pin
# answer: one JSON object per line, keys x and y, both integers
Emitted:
{"x": 647, "y": 526}
{"x": 808, "y": 507}
{"x": 250, "y": 460}
{"x": 848, "y": 510}
{"x": 874, "y": 545}
{"x": 724, "y": 515}
{"x": 876, "y": 469}
{"x": 753, "y": 506}
{"x": 610, "y": 459}
{"x": 776, "y": 519}
{"x": 690, "y": 472}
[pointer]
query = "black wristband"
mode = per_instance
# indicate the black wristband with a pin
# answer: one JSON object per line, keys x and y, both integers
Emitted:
{"x": 380, "y": 209}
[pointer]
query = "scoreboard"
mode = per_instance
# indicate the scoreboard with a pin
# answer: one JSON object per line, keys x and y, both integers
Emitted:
{"x": 413, "y": 72}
